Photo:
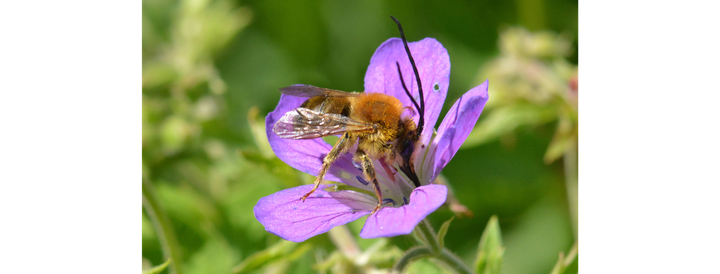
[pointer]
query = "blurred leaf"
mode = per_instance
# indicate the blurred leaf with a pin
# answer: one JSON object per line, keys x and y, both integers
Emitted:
{"x": 253, "y": 183}
{"x": 425, "y": 266}
{"x": 377, "y": 253}
{"x": 257, "y": 127}
{"x": 559, "y": 267}
{"x": 504, "y": 120}
{"x": 517, "y": 41}
{"x": 163, "y": 227}
{"x": 456, "y": 207}
{"x": 174, "y": 132}
{"x": 190, "y": 207}
{"x": 299, "y": 252}
{"x": 148, "y": 233}
{"x": 330, "y": 261}
{"x": 156, "y": 74}
{"x": 270, "y": 254}
{"x": 215, "y": 256}
{"x": 158, "y": 269}
{"x": 385, "y": 257}
{"x": 564, "y": 261}
{"x": 344, "y": 241}
{"x": 490, "y": 251}
{"x": 282, "y": 171}
{"x": 207, "y": 26}
{"x": 542, "y": 231}
{"x": 282, "y": 264}
{"x": 297, "y": 262}
{"x": 564, "y": 138}
{"x": 443, "y": 230}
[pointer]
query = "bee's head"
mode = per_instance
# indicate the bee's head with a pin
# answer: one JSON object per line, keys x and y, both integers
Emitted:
{"x": 408, "y": 139}
{"x": 405, "y": 148}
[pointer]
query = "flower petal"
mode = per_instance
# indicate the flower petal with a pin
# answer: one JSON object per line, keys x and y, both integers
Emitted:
{"x": 285, "y": 215}
{"x": 391, "y": 221}
{"x": 433, "y": 64}
{"x": 307, "y": 155}
{"x": 456, "y": 126}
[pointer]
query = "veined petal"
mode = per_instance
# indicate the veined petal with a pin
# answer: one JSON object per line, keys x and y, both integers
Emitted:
{"x": 433, "y": 64}
{"x": 390, "y": 221}
{"x": 456, "y": 126}
{"x": 307, "y": 155}
{"x": 285, "y": 215}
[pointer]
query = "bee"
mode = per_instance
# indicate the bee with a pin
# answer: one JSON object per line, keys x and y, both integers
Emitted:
{"x": 373, "y": 121}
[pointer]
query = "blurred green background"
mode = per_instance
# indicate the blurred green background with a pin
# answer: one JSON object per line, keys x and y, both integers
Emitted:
{"x": 211, "y": 72}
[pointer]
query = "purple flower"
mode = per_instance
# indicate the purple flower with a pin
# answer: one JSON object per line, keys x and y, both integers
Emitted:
{"x": 285, "y": 215}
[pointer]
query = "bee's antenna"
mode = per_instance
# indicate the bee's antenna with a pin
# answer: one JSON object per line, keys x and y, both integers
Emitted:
{"x": 406, "y": 90}
{"x": 421, "y": 108}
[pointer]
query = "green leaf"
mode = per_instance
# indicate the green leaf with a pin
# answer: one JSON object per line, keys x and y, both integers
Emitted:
{"x": 564, "y": 138}
{"x": 504, "y": 120}
{"x": 560, "y": 265}
{"x": 257, "y": 128}
{"x": 188, "y": 206}
{"x": 215, "y": 256}
{"x": 385, "y": 257}
{"x": 266, "y": 256}
{"x": 443, "y": 230}
{"x": 424, "y": 266}
{"x": 158, "y": 269}
{"x": 490, "y": 250}
{"x": 329, "y": 262}
{"x": 564, "y": 261}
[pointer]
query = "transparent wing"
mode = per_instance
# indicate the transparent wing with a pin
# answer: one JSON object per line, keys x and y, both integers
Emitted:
{"x": 302, "y": 123}
{"x": 313, "y": 91}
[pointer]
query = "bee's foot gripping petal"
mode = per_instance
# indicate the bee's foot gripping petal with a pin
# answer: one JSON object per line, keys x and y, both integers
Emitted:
{"x": 377, "y": 208}
{"x": 305, "y": 196}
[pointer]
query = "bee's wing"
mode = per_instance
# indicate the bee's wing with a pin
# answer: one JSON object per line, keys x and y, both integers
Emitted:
{"x": 303, "y": 123}
{"x": 313, "y": 91}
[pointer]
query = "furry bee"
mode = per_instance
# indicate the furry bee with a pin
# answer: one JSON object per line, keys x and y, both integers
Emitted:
{"x": 373, "y": 121}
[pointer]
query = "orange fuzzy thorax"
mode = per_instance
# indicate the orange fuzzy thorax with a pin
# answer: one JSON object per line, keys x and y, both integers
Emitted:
{"x": 382, "y": 109}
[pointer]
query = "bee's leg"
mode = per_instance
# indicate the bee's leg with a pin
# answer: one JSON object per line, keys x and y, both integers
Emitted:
{"x": 369, "y": 171}
{"x": 340, "y": 147}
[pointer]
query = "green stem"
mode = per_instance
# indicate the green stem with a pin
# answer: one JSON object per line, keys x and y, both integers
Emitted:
{"x": 453, "y": 261}
{"x": 571, "y": 183}
{"x": 161, "y": 223}
{"x": 427, "y": 233}
{"x": 412, "y": 254}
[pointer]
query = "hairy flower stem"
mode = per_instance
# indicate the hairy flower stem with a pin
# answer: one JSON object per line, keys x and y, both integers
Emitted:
{"x": 161, "y": 223}
{"x": 571, "y": 184}
{"x": 455, "y": 262}
{"x": 412, "y": 254}
{"x": 434, "y": 250}
{"x": 428, "y": 233}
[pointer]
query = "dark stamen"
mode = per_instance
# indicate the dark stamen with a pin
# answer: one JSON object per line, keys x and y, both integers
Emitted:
{"x": 421, "y": 110}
